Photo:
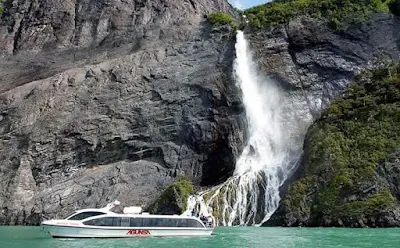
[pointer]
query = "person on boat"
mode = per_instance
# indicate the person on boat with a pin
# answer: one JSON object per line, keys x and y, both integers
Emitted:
{"x": 203, "y": 218}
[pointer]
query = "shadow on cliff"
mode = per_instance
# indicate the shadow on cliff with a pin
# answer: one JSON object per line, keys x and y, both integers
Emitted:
{"x": 26, "y": 67}
{"x": 396, "y": 30}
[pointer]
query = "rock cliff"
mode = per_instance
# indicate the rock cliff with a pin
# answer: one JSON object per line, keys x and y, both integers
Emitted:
{"x": 314, "y": 62}
{"x": 351, "y": 159}
{"x": 110, "y": 99}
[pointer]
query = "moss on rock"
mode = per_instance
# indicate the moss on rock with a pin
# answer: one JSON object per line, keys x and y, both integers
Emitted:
{"x": 367, "y": 208}
{"x": 343, "y": 148}
{"x": 1, "y": 8}
{"x": 299, "y": 201}
{"x": 173, "y": 200}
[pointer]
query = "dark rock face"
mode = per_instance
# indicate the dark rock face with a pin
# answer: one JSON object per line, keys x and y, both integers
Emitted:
{"x": 45, "y": 25}
{"x": 389, "y": 171}
{"x": 105, "y": 100}
{"x": 314, "y": 63}
{"x": 51, "y": 36}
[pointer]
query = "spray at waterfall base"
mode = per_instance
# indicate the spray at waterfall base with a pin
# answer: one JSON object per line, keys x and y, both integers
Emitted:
{"x": 251, "y": 195}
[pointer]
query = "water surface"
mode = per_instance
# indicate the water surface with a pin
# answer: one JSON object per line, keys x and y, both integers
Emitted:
{"x": 229, "y": 237}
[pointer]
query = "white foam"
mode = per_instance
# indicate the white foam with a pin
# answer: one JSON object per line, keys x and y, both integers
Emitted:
{"x": 252, "y": 194}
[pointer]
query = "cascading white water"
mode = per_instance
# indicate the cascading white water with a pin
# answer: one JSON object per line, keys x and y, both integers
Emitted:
{"x": 252, "y": 194}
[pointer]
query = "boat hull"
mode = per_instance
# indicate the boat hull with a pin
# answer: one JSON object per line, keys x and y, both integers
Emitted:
{"x": 109, "y": 232}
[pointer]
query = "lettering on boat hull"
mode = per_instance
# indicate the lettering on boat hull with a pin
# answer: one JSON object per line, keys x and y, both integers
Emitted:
{"x": 138, "y": 232}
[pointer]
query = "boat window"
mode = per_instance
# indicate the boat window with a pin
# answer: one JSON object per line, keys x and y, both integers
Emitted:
{"x": 164, "y": 222}
{"x": 182, "y": 223}
{"x": 105, "y": 221}
{"x": 157, "y": 222}
{"x": 149, "y": 222}
{"x": 144, "y": 222}
{"x": 125, "y": 221}
{"x": 116, "y": 221}
{"x": 169, "y": 222}
{"x": 136, "y": 222}
{"x": 194, "y": 223}
{"x": 84, "y": 215}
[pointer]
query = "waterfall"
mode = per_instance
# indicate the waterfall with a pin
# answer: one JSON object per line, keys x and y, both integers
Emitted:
{"x": 251, "y": 195}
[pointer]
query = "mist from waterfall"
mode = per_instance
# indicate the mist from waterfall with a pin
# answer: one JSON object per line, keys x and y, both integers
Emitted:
{"x": 251, "y": 195}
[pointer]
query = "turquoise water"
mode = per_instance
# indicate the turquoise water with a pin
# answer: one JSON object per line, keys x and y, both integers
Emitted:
{"x": 229, "y": 237}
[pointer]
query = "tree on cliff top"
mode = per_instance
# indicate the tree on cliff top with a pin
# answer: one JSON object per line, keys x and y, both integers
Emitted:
{"x": 336, "y": 11}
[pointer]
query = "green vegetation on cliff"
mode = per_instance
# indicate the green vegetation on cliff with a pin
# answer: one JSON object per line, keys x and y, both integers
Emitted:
{"x": 343, "y": 149}
{"x": 220, "y": 18}
{"x": 1, "y": 8}
{"x": 173, "y": 199}
{"x": 336, "y": 11}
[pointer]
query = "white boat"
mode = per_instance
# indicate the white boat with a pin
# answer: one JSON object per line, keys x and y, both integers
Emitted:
{"x": 103, "y": 223}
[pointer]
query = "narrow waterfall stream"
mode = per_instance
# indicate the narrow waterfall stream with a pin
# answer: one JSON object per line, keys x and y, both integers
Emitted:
{"x": 251, "y": 195}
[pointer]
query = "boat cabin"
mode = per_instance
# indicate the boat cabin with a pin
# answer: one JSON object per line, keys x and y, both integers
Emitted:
{"x": 84, "y": 215}
{"x": 144, "y": 222}
{"x": 95, "y": 219}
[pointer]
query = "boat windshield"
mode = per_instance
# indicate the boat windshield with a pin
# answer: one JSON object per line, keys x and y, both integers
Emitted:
{"x": 144, "y": 222}
{"x": 84, "y": 215}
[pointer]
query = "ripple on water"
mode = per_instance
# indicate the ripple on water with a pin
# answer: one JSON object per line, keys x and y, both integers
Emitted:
{"x": 225, "y": 237}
